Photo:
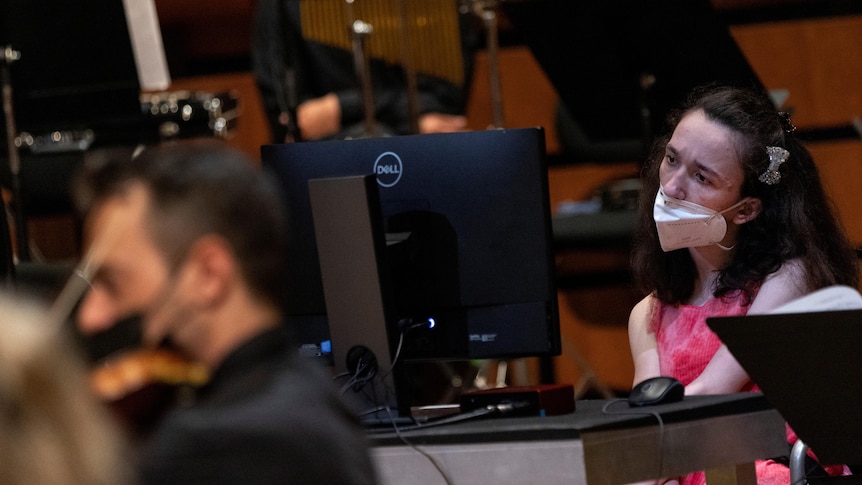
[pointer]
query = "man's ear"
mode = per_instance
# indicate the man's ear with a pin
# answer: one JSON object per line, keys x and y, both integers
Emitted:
{"x": 748, "y": 211}
{"x": 210, "y": 269}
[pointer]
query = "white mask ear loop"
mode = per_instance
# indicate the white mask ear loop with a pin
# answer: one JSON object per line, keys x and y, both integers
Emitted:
{"x": 734, "y": 206}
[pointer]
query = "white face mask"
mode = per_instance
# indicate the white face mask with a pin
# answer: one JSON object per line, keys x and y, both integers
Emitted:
{"x": 683, "y": 224}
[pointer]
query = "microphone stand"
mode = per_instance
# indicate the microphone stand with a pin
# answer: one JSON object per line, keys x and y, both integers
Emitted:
{"x": 359, "y": 32}
{"x": 7, "y": 265}
{"x": 286, "y": 74}
{"x": 409, "y": 70}
{"x": 485, "y": 9}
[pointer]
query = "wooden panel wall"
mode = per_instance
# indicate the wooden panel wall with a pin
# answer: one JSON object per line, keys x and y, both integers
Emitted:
{"x": 819, "y": 62}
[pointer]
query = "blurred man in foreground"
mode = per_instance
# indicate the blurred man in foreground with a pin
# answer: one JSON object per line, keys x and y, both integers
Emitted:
{"x": 190, "y": 237}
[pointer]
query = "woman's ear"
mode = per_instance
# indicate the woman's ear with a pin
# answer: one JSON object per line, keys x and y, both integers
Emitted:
{"x": 748, "y": 211}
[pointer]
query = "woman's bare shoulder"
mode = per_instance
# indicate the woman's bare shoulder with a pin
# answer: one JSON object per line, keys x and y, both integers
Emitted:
{"x": 786, "y": 284}
{"x": 642, "y": 311}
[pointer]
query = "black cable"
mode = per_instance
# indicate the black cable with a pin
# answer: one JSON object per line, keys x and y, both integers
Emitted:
{"x": 356, "y": 382}
{"x": 501, "y": 409}
{"x": 397, "y": 355}
{"x": 640, "y": 411}
{"x": 437, "y": 465}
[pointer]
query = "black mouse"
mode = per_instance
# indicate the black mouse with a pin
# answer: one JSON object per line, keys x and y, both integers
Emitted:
{"x": 656, "y": 390}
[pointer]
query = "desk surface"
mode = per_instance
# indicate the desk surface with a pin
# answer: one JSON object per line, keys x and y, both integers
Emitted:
{"x": 589, "y": 415}
{"x": 721, "y": 434}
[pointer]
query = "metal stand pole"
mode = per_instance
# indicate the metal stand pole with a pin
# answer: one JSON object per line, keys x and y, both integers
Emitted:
{"x": 359, "y": 32}
{"x": 7, "y": 266}
{"x": 409, "y": 70}
{"x": 486, "y": 10}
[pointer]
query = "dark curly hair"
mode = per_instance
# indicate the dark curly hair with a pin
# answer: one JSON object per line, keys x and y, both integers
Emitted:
{"x": 797, "y": 220}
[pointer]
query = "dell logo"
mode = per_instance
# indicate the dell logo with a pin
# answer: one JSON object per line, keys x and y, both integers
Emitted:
{"x": 388, "y": 168}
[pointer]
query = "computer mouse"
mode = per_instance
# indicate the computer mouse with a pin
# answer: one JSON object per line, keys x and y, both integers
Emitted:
{"x": 656, "y": 390}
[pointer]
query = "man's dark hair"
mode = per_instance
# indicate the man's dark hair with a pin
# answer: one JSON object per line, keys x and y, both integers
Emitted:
{"x": 196, "y": 188}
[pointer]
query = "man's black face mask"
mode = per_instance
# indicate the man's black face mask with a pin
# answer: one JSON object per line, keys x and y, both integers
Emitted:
{"x": 125, "y": 334}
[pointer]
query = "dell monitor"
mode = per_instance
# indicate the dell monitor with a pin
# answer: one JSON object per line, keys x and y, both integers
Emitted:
{"x": 468, "y": 240}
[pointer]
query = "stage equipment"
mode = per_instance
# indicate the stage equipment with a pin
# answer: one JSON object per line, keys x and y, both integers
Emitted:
{"x": 76, "y": 87}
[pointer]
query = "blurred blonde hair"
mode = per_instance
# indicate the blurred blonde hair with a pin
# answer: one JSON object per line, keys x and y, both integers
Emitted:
{"x": 51, "y": 428}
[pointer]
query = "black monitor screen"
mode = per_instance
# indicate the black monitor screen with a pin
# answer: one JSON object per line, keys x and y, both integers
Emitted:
{"x": 468, "y": 235}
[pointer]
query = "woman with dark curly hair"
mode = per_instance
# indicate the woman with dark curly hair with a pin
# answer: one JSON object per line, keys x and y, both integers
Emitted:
{"x": 733, "y": 220}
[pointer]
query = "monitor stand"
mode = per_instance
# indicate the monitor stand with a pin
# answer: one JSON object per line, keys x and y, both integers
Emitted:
{"x": 348, "y": 226}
